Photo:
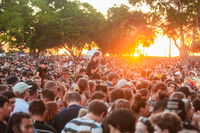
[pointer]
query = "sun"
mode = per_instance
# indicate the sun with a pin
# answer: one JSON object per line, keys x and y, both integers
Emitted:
{"x": 161, "y": 48}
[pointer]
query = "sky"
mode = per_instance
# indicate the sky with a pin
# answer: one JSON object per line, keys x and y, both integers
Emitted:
{"x": 104, "y": 5}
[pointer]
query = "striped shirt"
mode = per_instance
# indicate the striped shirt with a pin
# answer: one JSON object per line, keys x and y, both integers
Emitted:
{"x": 82, "y": 124}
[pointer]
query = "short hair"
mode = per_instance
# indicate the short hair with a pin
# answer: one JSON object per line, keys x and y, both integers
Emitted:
{"x": 72, "y": 96}
{"x": 128, "y": 94}
{"x": 92, "y": 84}
{"x": 160, "y": 105}
{"x": 3, "y": 100}
{"x": 35, "y": 77}
{"x": 82, "y": 84}
{"x": 116, "y": 94}
{"x": 184, "y": 90}
{"x": 97, "y": 107}
{"x": 139, "y": 103}
{"x": 167, "y": 120}
{"x": 50, "y": 85}
{"x": 3, "y": 88}
{"x": 196, "y": 104}
{"x": 177, "y": 95}
{"x": 160, "y": 86}
{"x": 121, "y": 104}
{"x": 98, "y": 95}
{"x": 49, "y": 94}
{"x": 16, "y": 120}
{"x": 12, "y": 80}
{"x": 102, "y": 88}
{"x": 9, "y": 94}
{"x": 37, "y": 107}
{"x": 33, "y": 89}
{"x": 112, "y": 75}
{"x": 123, "y": 120}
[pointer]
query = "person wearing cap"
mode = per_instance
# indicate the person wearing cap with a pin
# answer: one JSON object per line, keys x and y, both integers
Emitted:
{"x": 21, "y": 90}
{"x": 65, "y": 78}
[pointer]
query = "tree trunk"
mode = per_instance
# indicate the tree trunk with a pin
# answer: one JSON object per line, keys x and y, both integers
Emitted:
{"x": 183, "y": 49}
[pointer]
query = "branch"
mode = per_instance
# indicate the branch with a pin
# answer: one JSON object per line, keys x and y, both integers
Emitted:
{"x": 176, "y": 44}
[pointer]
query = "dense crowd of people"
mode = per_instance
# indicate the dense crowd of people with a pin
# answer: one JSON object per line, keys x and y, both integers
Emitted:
{"x": 61, "y": 94}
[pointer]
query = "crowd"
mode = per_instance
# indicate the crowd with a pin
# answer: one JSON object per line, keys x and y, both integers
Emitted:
{"x": 61, "y": 94}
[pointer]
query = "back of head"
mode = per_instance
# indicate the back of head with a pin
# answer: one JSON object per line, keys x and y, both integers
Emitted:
{"x": 9, "y": 94}
{"x": 178, "y": 107}
{"x": 48, "y": 94}
{"x": 102, "y": 88}
{"x": 116, "y": 94}
{"x": 177, "y": 95}
{"x": 160, "y": 86}
{"x": 12, "y": 80}
{"x": 167, "y": 120}
{"x": 37, "y": 107}
{"x": 196, "y": 104}
{"x": 50, "y": 85}
{"x": 3, "y": 88}
{"x": 112, "y": 75}
{"x": 139, "y": 103}
{"x": 123, "y": 120}
{"x": 98, "y": 95}
{"x": 82, "y": 84}
{"x": 97, "y": 107}
{"x": 121, "y": 104}
{"x": 184, "y": 90}
{"x": 34, "y": 88}
{"x": 72, "y": 97}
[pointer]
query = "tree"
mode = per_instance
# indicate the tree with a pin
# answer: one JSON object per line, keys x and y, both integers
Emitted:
{"x": 176, "y": 19}
{"x": 125, "y": 30}
{"x": 16, "y": 23}
{"x": 81, "y": 24}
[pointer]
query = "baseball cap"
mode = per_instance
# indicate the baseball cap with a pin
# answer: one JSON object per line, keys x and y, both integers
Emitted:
{"x": 21, "y": 87}
{"x": 122, "y": 83}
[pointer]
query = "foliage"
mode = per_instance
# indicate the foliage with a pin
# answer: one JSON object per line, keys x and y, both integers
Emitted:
{"x": 125, "y": 30}
{"x": 176, "y": 18}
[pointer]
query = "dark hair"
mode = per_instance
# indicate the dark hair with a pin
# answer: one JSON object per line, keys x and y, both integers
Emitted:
{"x": 95, "y": 54}
{"x": 166, "y": 120}
{"x": 196, "y": 104}
{"x": 37, "y": 107}
{"x": 97, "y": 107}
{"x": 160, "y": 105}
{"x": 9, "y": 94}
{"x": 16, "y": 120}
{"x": 12, "y": 80}
{"x": 34, "y": 88}
{"x": 139, "y": 103}
{"x": 3, "y": 100}
{"x": 123, "y": 120}
{"x": 49, "y": 94}
{"x": 147, "y": 123}
{"x": 185, "y": 90}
